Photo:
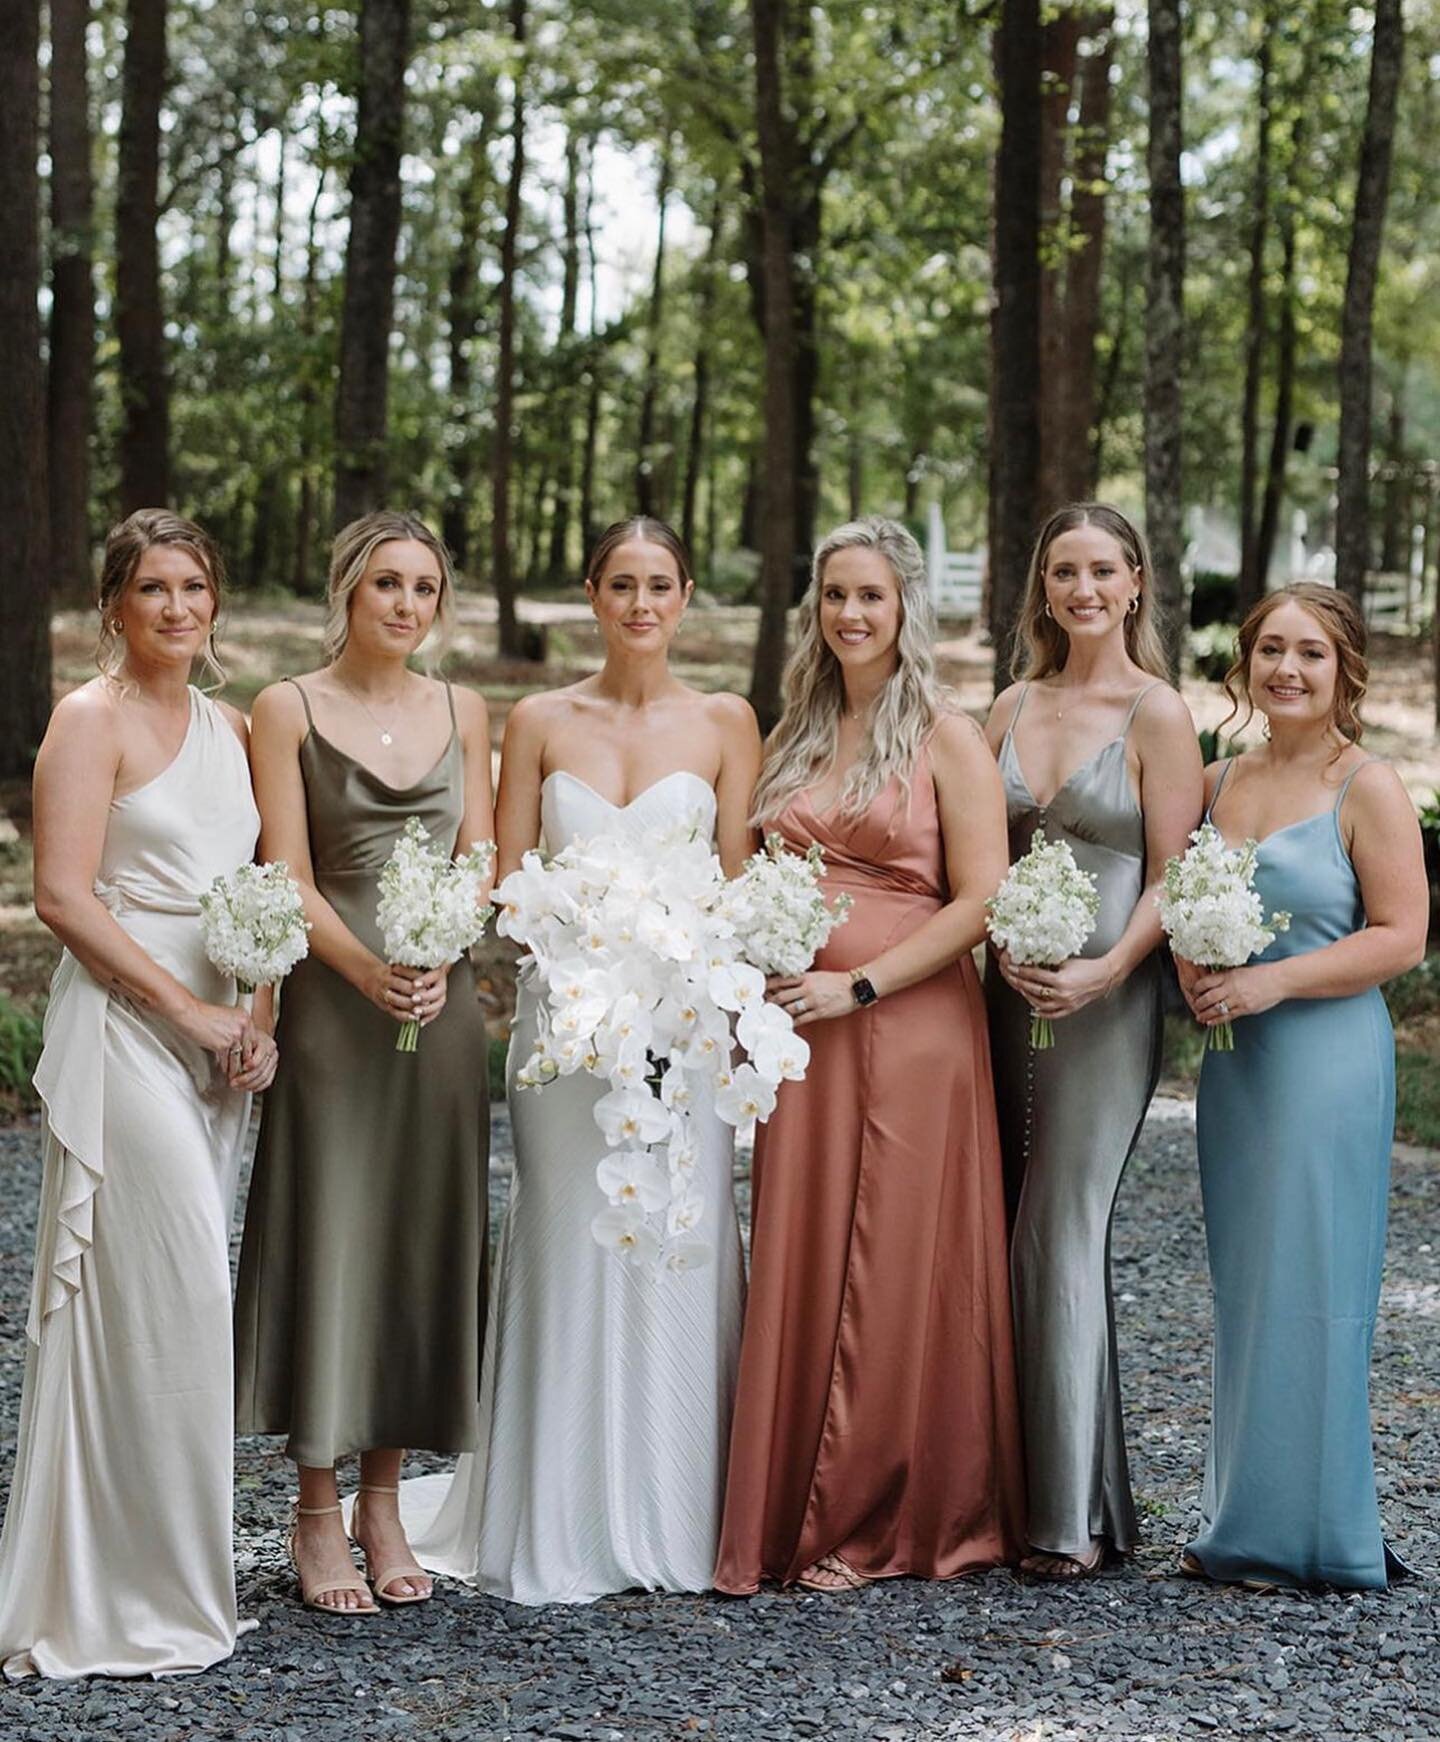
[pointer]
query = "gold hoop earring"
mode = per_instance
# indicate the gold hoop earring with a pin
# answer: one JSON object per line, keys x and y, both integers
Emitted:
{"x": 1133, "y": 606}
{"x": 1265, "y": 727}
{"x": 118, "y": 626}
{"x": 1048, "y": 611}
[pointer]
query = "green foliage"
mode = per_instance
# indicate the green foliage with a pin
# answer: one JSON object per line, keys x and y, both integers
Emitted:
{"x": 1212, "y": 650}
{"x": 1417, "y": 1098}
{"x": 20, "y": 1039}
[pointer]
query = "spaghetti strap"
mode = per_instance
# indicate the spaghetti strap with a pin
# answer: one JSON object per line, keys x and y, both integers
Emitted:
{"x": 1024, "y": 691}
{"x": 1135, "y": 708}
{"x": 450, "y": 698}
{"x": 1345, "y": 784}
{"x": 305, "y": 701}
{"x": 1219, "y": 785}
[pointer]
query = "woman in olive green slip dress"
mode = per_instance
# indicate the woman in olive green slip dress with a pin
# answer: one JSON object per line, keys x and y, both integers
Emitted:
{"x": 360, "y": 1307}
{"x": 1091, "y": 666}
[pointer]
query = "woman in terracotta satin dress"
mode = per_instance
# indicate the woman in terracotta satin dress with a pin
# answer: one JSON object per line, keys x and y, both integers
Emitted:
{"x": 876, "y": 1429}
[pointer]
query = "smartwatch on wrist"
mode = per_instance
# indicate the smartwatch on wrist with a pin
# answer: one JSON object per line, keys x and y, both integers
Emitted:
{"x": 860, "y": 988}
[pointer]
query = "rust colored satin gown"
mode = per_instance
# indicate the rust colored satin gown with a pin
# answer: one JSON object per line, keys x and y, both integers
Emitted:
{"x": 876, "y": 1415}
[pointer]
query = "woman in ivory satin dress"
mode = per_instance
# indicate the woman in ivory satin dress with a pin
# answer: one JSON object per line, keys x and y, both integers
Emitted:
{"x": 1295, "y": 1125}
{"x": 875, "y": 1430}
{"x": 1097, "y": 750}
{"x": 605, "y": 1403}
{"x": 360, "y": 1308}
{"x": 116, "y": 1555}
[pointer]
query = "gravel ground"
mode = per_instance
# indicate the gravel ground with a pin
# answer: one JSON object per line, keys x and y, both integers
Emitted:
{"x": 1138, "y": 1653}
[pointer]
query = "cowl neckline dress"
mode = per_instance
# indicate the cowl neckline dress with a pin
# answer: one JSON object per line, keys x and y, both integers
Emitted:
{"x": 116, "y": 1557}
{"x": 876, "y": 1412}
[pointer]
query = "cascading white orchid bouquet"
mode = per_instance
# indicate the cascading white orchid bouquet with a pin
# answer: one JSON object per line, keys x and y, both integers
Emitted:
{"x": 1212, "y": 912}
{"x": 641, "y": 950}
{"x": 1043, "y": 913}
{"x": 253, "y": 924}
{"x": 429, "y": 912}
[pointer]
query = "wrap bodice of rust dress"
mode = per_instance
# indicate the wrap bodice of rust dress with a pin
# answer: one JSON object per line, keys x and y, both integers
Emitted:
{"x": 876, "y": 1412}
{"x": 361, "y": 1296}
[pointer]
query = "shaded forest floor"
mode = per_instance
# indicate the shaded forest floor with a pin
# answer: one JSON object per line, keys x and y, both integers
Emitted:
{"x": 267, "y": 638}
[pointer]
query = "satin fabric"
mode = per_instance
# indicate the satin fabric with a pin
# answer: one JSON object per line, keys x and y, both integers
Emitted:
{"x": 1294, "y": 1129}
{"x": 360, "y": 1308}
{"x": 876, "y": 1412}
{"x": 116, "y": 1553}
{"x": 1070, "y": 1116}
{"x": 605, "y": 1402}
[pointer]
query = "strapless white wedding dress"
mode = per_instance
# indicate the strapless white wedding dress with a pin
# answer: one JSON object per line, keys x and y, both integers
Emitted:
{"x": 606, "y": 1389}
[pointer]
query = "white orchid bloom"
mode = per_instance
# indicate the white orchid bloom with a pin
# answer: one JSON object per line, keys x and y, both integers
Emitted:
{"x": 632, "y": 1116}
{"x": 745, "y": 1097}
{"x": 733, "y": 985}
{"x": 633, "y": 1176}
{"x": 625, "y": 1232}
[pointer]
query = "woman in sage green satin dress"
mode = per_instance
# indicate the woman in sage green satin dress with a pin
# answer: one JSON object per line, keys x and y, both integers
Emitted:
{"x": 359, "y": 1317}
{"x": 1097, "y": 750}
{"x": 1295, "y": 1125}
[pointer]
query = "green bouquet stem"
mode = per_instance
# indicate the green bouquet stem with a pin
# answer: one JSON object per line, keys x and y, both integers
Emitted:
{"x": 244, "y": 988}
{"x": 408, "y": 1038}
{"x": 1042, "y": 1035}
{"x": 1220, "y": 1038}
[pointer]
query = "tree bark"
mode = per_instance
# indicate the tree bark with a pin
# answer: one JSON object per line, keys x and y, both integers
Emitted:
{"x": 71, "y": 398}
{"x": 1352, "y": 511}
{"x": 1286, "y": 348}
{"x": 1076, "y": 411}
{"x": 1395, "y": 518}
{"x": 777, "y": 538}
{"x": 648, "y": 497}
{"x": 593, "y": 373}
{"x": 463, "y": 322}
{"x": 139, "y": 312}
{"x": 367, "y": 310}
{"x": 562, "y": 518}
{"x": 1252, "y": 577}
{"x": 302, "y": 580}
{"x": 24, "y": 504}
{"x": 700, "y": 398}
{"x": 502, "y": 573}
{"x": 1165, "y": 323}
{"x": 1014, "y": 459}
{"x": 1060, "y": 43}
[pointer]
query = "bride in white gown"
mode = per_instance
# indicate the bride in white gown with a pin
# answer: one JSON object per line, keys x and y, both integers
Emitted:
{"x": 606, "y": 1390}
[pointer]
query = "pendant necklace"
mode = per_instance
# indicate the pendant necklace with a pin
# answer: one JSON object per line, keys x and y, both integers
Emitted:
{"x": 385, "y": 737}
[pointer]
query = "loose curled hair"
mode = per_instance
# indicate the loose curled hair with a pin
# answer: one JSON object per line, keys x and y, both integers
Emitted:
{"x": 1339, "y": 616}
{"x": 350, "y": 556}
{"x": 1041, "y": 645}
{"x": 803, "y": 744}
{"x": 644, "y": 526}
{"x": 125, "y": 545}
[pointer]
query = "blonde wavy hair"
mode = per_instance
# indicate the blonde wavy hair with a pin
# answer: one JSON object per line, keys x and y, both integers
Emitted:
{"x": 1340, "y": 618}
{"x": 350, "y": 555}
{"x": 802, "y": 747}
{"x": 1041, "y": 645}
{"x": 125, "y": 544}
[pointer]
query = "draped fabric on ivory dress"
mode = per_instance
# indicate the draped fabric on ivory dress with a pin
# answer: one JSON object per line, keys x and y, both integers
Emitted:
{"x": 1070, "y": 1117}
{"x": 116, "y": 1555}
{"x": 361, "y": 1299}
{"x": 876, "y": 1412}
{"x": 605, "y": 1401}
{"x": 1294, "y": 1129}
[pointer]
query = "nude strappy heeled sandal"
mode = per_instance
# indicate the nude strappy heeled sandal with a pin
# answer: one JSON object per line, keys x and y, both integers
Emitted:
{"x": 309, "y": 1593}
{"x": 388, "y": 1575}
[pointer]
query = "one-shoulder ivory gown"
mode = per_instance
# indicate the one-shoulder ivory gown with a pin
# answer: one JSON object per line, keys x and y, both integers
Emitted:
{"x": 116, "y": 1556}
{"x": 606, "y": 1390}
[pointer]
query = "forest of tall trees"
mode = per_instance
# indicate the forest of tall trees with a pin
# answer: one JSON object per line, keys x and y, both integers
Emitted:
{"x": 754, "y": 265}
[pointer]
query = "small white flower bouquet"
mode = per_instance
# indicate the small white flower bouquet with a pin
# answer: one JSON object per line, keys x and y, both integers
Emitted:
{"x": 254, "y": 924}
{"x": 1212, "y": 913}
{"x": 429, "y": 911}
{"x": 640, "y": 948}
{"x": 1044, "y": 913}
{"x": 779, "y": 908}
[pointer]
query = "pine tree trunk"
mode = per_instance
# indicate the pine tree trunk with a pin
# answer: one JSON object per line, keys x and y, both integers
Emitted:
{"x": 1352, "y": 512}
{"x": 1060, "y": 43}
{"x": 139, "y": 314}
{"x": 367, "y": 311}
{"x": 1286, "y": 347}
{"x": 700, "y": 399}
{"x": 648, "y": 499}
{"x": 463, "y": 320}
{"x": 302, "y": 581}
{"x": 71, "y": 399}
{"x": 1165, "y": 324}
{"x": 24, "y": 503}
{"x": 1076, "y": 412}
{"x": 777, "y": 536}
{"x": 1014, "y": 460}
{"x": 502, "y": 573}
{"x": 1252, "y": 577}
{"x": 592, "y": 375}
{"x": 1395, "y": 518}
{"x": 561, "y": 519}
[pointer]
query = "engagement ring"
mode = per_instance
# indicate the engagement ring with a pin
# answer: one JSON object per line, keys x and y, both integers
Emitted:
{"x": 1224, "y": 1008}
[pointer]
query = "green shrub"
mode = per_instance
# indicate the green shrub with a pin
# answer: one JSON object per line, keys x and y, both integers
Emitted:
{"x": 1213, "y": 598}
{"x": 19, "y": 1052}
{"x": 1417, "y": 1098}
{"x": 1416, "y": 993}
{"x": 1212, "y": 650}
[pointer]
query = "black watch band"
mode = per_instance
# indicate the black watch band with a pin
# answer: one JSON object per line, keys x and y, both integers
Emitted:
{"x": 861, "y": 990}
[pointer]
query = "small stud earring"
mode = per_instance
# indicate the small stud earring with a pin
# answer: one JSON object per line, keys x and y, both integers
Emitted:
{"x": 117, "y": 626}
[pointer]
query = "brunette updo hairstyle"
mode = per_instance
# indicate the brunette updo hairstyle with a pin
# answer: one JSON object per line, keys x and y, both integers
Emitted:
{"x": 1339, "y": 616}
{"x": 350, "y": 556}
{"x": 644, "y": 526}
{"x": 1041, "y": 645}
{"x": 125, "y": 544}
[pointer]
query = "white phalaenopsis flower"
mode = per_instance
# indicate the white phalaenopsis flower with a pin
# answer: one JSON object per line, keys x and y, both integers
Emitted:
{"x": 779, "y": 908}
{"x": 1212, "y": 912}
{"x": 1044, "y": 912}
{"x": 430, "y": 911}
{"x": 641, "y": 959}
{"x": 254, "y": 924}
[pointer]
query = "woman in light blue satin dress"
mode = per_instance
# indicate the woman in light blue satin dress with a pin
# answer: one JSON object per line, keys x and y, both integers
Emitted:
{"x": 1295, "y": 1124}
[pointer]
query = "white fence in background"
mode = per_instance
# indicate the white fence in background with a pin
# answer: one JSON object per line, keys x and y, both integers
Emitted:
{"x": 956, "y": 577}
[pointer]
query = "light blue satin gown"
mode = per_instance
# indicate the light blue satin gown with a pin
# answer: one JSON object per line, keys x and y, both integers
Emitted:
{"x": 1294, "y": 1130}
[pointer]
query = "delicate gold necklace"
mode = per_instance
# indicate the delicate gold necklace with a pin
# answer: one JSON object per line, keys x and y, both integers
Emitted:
{"x": 386, "y": 737}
